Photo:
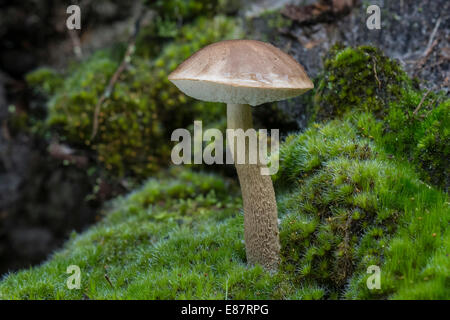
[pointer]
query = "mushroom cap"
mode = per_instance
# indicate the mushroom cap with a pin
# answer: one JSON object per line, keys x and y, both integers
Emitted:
{"x": 241, "y": 72}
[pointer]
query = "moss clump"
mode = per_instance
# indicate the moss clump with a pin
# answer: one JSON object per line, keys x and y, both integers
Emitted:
{"x": 344, "y": 201}
{"x": 359, "y": 78}
{"x": 129, "y": 136}
{"x": 179, "y": 236}
{"x": 363, "y": 79}
{"x": 138, "y": 117}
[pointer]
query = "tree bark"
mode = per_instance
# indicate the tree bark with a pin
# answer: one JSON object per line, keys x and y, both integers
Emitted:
{"x": 260, "y": 208}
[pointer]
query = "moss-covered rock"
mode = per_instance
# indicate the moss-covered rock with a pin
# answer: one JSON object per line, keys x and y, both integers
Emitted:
{"x": 344, "y": 201}
{"x": 45, "y": 79}
{"x": 414, "y": 122}
{"x": 359, "y": 78}
{"x": 419, "y": 131}
{"x": 171, "y": 15}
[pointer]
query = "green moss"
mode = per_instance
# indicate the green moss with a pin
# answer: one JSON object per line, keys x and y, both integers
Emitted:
{"x": 177, "y": 237}
{"x": 274, "y": 19}
{"x": 422, "y": 137}
{"x": 138, "y": 117}
{"x": 46, "y": 79}
{"x": 362, "y": 79}
{"x": 186, "y": 10}
{"x": 342, "y": 203}
{"x": 359, "y": 78}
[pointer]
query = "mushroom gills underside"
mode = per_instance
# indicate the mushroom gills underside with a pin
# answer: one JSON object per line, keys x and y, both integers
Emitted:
{"x": 218, "y": 92}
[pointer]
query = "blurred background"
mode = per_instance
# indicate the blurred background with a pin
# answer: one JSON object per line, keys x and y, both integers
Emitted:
{"x": 86, "y": 115}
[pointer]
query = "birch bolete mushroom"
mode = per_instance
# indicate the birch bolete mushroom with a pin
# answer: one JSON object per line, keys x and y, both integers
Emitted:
{"x": 244, "y": 73}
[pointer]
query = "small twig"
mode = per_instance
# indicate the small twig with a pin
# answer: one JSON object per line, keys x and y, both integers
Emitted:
{"x": 437, "y": 63}
{"x": 109, "y": 89}
{"x": 421, "y": 102}
{"x": 375, "y": 71}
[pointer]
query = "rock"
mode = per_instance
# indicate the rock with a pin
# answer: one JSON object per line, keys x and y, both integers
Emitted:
{"x": 406, "y": 29}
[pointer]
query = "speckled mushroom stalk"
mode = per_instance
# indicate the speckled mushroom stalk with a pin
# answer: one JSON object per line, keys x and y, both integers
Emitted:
{"x": 244, "y": 73}
{"x": 260, "y": 207}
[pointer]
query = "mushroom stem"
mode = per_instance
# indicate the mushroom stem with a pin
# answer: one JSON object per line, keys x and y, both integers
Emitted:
{"x": 260, "y": 207}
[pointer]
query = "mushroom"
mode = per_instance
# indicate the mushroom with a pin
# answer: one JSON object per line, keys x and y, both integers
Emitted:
{"x": 244, "y": 73}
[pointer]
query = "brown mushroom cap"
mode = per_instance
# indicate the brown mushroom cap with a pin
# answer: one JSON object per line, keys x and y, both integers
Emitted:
{"x": 241, "y": 72}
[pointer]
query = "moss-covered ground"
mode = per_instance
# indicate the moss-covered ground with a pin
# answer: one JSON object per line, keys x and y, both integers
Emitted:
{"x": 343, "y": 205}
